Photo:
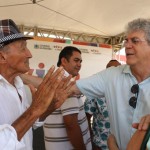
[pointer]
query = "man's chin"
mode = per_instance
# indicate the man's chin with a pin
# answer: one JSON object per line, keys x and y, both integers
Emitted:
{"x": 25, "y": 70}
{"x": 130, "y": 63}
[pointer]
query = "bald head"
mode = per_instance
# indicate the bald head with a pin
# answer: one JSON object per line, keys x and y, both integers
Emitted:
{"x": 113, "y": 62}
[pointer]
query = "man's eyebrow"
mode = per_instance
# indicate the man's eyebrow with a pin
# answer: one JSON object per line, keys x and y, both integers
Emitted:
{"x": 78, "y": 58}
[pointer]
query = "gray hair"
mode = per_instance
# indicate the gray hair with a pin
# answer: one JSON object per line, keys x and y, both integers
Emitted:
{"x": 139, "y": 25}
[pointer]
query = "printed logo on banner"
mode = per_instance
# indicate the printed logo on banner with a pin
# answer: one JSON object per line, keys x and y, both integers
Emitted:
{"x": 42, "y": 46}
{"x": 95, "y": 51}
{"x": 58, "y": 48}
{"x": 40, "y": 72}
{"x": 84, "y": 50}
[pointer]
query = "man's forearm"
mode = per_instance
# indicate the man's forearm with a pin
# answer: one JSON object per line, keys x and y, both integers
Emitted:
{"x": 74, "y": 132}
{"x": 24, "y": 122}
{"x": 45, "y": 115}
{"x": 112, "y": 144}
{"x": 29, "y": 79}
{"x": 76, "y": 138}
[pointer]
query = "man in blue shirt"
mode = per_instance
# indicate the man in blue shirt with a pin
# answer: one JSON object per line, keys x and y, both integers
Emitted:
{"x": 126, "y": 87}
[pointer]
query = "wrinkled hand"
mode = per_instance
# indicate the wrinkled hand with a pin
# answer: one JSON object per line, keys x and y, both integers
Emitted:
{"x": 46, "y": 90}
{"x": 143, "y": 124}
{"x": 61, "y": 94}
{"x": 32, "y": 89}
{"x": 63, "y": 91}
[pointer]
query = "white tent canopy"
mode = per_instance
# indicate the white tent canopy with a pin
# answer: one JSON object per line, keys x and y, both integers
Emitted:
{"x": 103, "y": 17}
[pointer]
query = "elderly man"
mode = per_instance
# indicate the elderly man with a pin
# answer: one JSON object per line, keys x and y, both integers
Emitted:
{"x": 16, "y": 116}
{"x": 126, "y": 87}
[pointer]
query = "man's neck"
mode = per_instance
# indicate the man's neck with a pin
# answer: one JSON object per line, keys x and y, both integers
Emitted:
{"x": 8, "y": 76}
{"x": 140, "y": 73}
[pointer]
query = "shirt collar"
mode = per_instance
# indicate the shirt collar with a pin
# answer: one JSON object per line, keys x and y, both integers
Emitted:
{"x": 127, "y": 70}
{"x": 66, "y": 74}
{"x": 17, "y": 81}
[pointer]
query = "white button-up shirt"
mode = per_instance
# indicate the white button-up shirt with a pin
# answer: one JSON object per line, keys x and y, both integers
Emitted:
{"x": 8, "y": 138}
{"x": 11, "y": 107}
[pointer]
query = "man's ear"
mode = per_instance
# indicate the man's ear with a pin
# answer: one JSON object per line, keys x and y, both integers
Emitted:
{"x": 2, "y": 57}
{"x": 63, "y": 61}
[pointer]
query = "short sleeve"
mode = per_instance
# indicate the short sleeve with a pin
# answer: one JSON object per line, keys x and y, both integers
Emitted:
{"x": 70, "y": 106}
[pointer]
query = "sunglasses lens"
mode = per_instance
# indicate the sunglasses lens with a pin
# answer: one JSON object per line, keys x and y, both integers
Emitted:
{"x": 135, "y": 88}
{"x": 132, "y": 102}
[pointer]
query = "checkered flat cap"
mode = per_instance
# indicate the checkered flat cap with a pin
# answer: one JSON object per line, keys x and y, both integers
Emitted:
{"x": 9, "y": 32}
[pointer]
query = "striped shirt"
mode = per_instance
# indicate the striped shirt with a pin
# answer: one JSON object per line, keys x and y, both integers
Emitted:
{"x": 54, "y": 128}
